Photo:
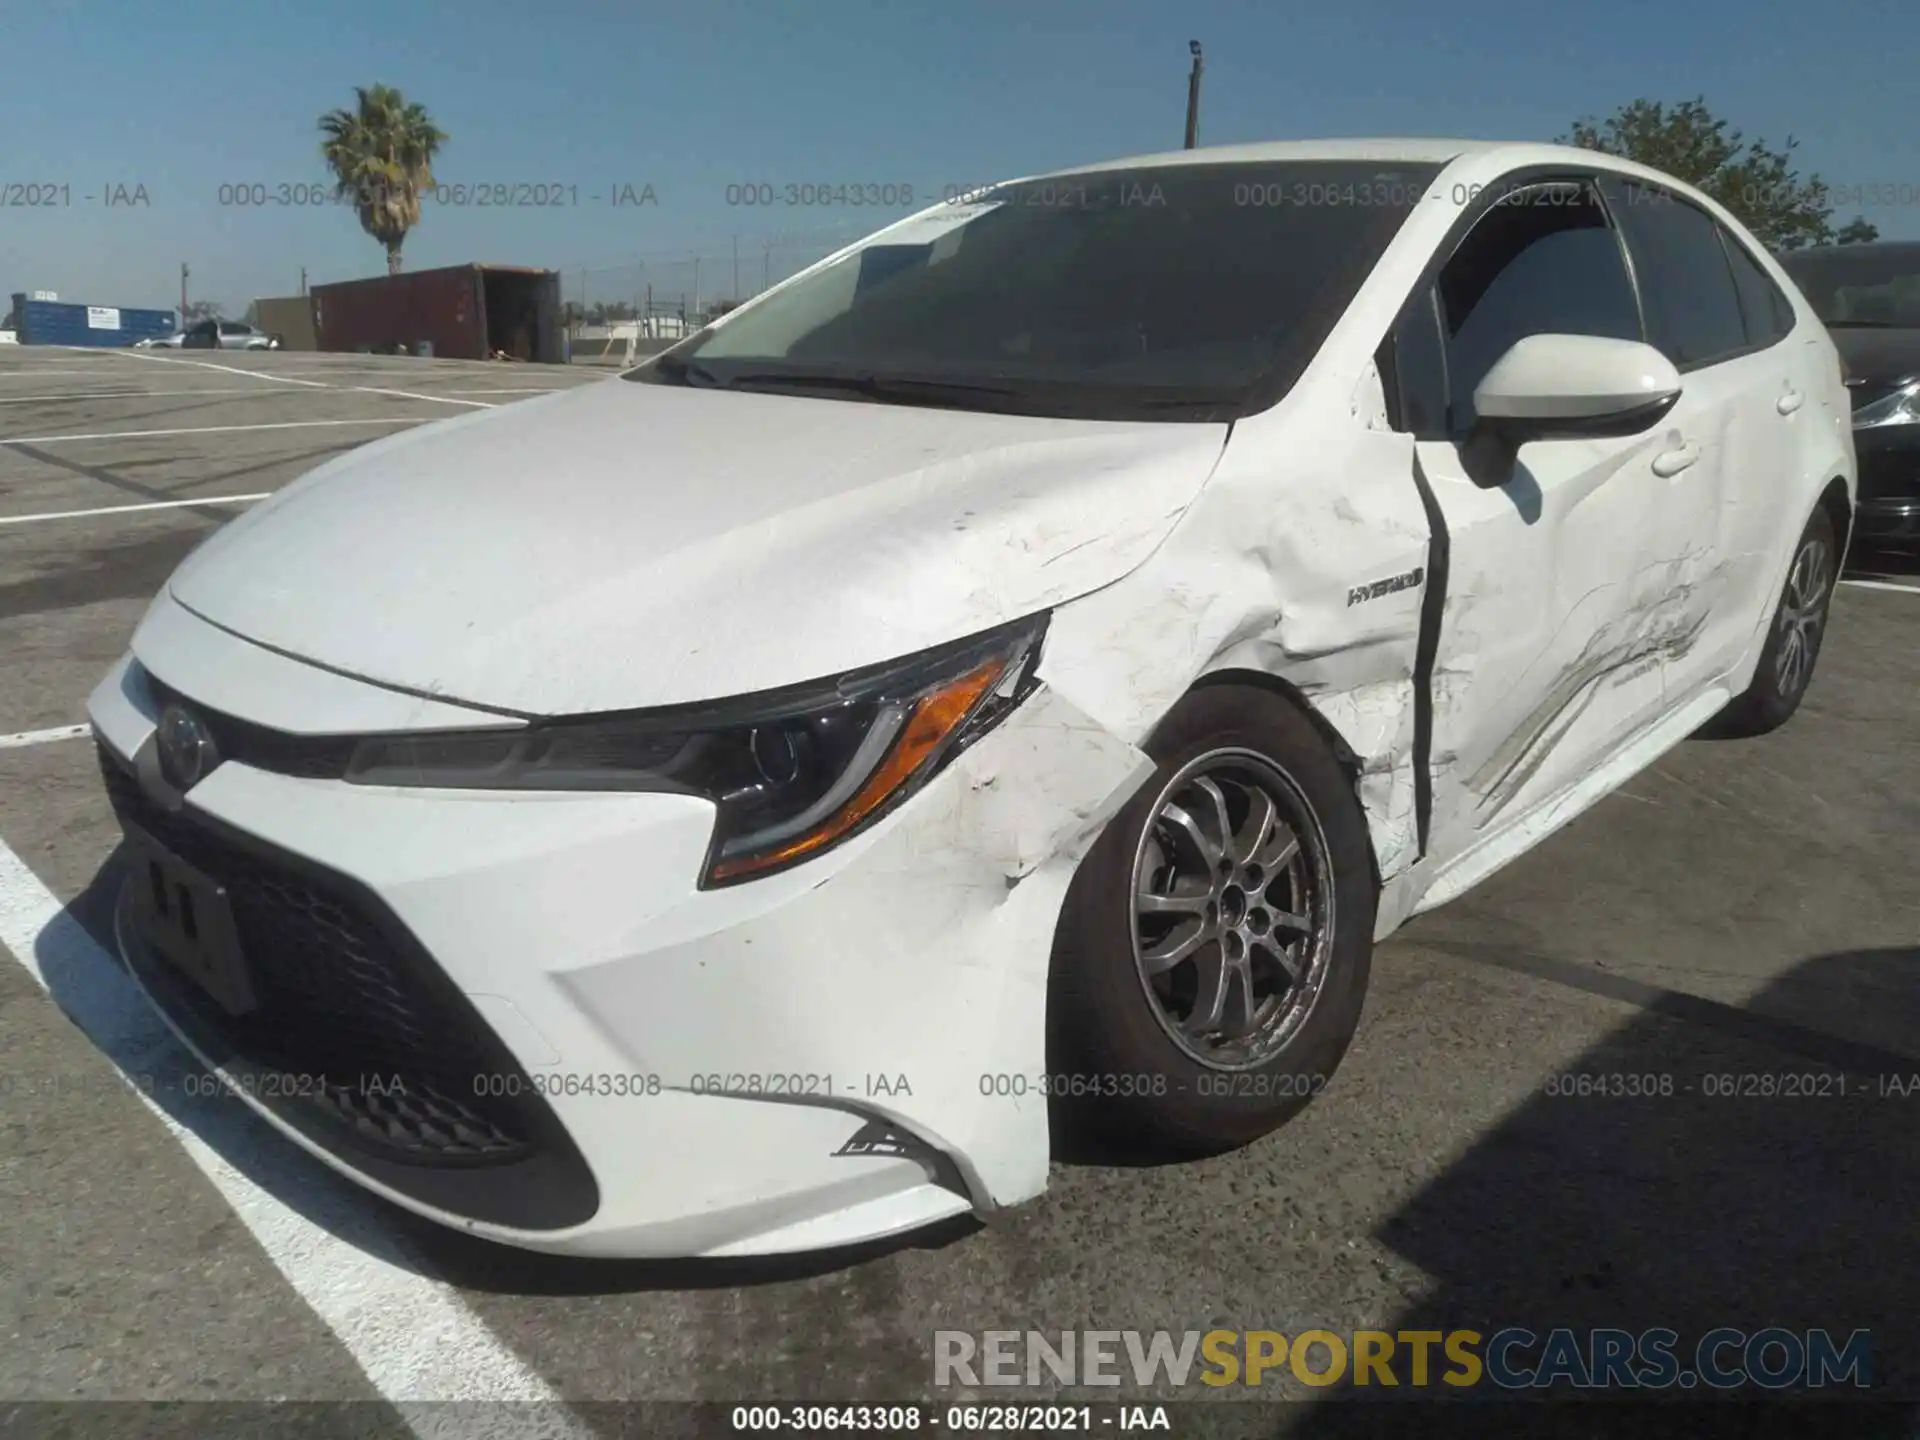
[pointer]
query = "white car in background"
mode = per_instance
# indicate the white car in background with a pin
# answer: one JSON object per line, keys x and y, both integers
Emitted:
{"x": 1009, "y": 674}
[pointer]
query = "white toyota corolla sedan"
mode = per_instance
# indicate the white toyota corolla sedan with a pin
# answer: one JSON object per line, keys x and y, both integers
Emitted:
{"x": 1010, "y": 674}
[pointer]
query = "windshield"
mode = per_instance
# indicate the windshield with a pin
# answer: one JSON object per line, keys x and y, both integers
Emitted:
{"x": 1165, "y": 293}
{"x": 1869, "y": 287}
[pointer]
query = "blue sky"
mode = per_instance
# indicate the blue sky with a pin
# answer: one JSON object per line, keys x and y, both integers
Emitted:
{"x": 182, "y": 97}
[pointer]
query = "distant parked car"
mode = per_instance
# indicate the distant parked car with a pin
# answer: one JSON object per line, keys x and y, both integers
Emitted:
{"x": 160, "y": 342}
{"x": 1869, "y": 298}
{"x": 228, "y": 335}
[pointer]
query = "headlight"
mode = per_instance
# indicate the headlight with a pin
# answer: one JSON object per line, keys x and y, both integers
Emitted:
{"x": 1902, "y": 407}
{"x": 791, "y": 772}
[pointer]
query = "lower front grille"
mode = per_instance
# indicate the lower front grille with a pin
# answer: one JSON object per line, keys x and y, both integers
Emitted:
{"x": 359, "y": 1040}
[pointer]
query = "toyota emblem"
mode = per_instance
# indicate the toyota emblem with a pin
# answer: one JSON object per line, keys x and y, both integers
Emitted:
{"x": 186, "y": 748}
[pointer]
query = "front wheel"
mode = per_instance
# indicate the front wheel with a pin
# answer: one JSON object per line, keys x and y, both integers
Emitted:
{"x": 1212, "y": 956}
{"x": 1793, "y": 640}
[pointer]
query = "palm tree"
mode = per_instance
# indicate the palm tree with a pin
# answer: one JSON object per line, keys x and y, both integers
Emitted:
{"x": 381, "y": 154}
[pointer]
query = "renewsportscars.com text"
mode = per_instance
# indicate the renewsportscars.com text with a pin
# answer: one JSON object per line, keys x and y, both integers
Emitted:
{"x": 1513, "y": 1358}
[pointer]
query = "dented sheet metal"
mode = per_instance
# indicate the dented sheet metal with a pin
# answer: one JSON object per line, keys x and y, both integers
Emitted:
{"x": 1302, "y": 566}
{"x": 954, "y": 905}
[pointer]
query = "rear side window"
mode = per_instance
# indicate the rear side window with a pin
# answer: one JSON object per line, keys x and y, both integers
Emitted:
{"x": 1768, "y": 314}
{"x": 1543, "y": 261}
{"x": 1686, "y": 282}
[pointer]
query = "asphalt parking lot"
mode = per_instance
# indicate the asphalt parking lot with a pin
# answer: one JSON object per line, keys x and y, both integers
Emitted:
{"x": 1743, "y": 909}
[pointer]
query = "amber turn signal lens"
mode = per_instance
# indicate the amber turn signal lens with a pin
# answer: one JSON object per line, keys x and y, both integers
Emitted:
{"x": 935, "y": 717}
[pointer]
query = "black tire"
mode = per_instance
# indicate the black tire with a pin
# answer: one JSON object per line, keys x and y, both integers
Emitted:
{"x": 1107, "y": 1039}
{"x": 1780, "y": 682}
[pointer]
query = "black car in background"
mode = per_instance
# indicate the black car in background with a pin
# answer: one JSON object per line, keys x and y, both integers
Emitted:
{"x": 1869, "y": 297}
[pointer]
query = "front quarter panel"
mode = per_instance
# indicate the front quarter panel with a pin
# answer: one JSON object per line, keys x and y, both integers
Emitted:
{"x": 1302, "y": 564}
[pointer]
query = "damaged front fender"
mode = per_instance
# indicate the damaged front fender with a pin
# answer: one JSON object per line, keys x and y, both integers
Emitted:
{"x": 1302, "y": 563}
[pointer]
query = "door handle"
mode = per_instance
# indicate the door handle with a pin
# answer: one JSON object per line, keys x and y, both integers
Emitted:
{"x": 1789, "y": 402}
{"x": 1671, "y": 462}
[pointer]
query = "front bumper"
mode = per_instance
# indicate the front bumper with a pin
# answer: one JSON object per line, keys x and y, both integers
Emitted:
{"x": 803, "y": 1061}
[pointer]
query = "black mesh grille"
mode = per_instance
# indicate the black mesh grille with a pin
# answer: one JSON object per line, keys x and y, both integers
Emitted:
{"x": 378, "y": 1052}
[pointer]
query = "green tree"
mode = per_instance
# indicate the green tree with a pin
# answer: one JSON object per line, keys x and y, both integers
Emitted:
{"x": 1856, "y": 232}
{"x": 1760, "y": 185}
{"x": 381, "y": 153}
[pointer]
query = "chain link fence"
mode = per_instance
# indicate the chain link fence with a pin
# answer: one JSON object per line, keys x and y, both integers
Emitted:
{"x": 669, "y": 293}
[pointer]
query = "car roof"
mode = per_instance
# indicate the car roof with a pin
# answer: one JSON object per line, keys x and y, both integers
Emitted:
{"x": 1501, "y": 155}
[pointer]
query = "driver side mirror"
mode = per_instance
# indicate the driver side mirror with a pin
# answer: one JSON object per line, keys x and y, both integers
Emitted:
{"x": 1572, "y": 385}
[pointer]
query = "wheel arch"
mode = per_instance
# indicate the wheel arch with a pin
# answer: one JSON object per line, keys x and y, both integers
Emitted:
{"x": 1834, "y": 500}
{"x": 1343, "y": 753}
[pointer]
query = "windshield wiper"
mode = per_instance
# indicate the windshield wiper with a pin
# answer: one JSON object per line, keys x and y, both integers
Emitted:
{"x": 1042, "y": 396}
{"x": 878, "y": 387}
{"x": 889, "y": 387}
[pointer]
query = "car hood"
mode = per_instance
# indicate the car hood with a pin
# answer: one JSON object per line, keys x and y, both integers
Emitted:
{"x": 627, "y": 545}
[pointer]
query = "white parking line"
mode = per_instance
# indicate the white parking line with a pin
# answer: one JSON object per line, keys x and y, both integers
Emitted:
{"x": 131, "y": 509}
{"x": 206, "y": 430}
{"x": 315, "y": 384}
{"x": 414, "y": 395}
{"x": 35, "y": 372}
{"x": 116, "y": 395}
{"x": 227, "y": 369}
{"x": 43, "y": 737}
{"x": 1884, "y": 585}
{"x": 411, "y": 1335}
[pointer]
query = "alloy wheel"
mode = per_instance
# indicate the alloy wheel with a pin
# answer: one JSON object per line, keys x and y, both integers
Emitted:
{"x": 1232, "y": 909}
{"x": 1803, "y": 614}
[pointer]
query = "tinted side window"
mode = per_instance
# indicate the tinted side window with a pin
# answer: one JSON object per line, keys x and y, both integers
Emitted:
{"x": 1783, "y": 315}
{"x": 1768, "y": 315}
{"x": 1693, "y": 311}
{"x": 1542, "y": 262}
{"x": 232, "y": 327}
{"x": 1420, "y": 368}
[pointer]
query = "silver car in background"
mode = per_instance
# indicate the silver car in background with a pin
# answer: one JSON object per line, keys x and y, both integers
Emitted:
{"x": 226, "y": 335}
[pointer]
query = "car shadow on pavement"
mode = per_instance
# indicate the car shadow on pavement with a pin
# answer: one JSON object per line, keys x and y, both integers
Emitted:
{"x": 1768, "y": 1180}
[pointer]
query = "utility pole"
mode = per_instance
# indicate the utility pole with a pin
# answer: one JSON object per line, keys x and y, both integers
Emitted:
{"x": 736, "y": 269}
{"x": 1193, "y": 93}
{"x": 766, "y": 266}
{"x": 183, "y": 294}
{"x": 303, "y": 279}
